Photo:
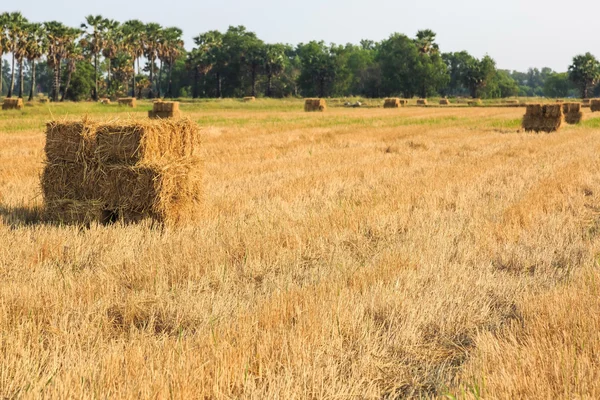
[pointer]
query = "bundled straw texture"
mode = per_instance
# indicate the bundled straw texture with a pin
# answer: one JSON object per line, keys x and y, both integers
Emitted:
{"x": 422, "y": 102}
{"x": 127, "y": 101}
{"x": 123, "y": 171}
{"x": 105, "y": 101}
{"x": 12, "y": 104}
{"x": 315, "y": 105}
{"x": 444, "y": 102}
{"x": 595, "y": 105}
{"x": 572, "y": 112}
{"x": 249, "y": 99}
{"x": 392, "y": 102}
{"x": 165, "y": 109}
{"x": 543, "y": 118}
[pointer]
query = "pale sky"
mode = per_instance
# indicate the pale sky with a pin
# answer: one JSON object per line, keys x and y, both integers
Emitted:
{"x": 517, "y": 34}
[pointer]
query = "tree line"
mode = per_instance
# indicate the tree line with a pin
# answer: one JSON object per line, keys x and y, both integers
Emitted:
{"x": 104, "y": 57}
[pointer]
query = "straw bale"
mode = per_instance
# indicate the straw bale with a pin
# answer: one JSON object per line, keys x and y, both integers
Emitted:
{"x": 444, "y": 102}
{"x": 169, "y": 193}
{"x": 104, "y": 101}
{"x": 543, "y": 118}
{"x": 127, "y": 101}
{"x": 572, "y": 112}
{"x": 560, "y": 101}
{"x": 403, "y": 102}
{"x": 595, "y": 105}
{"x": 164, "y": 114}
{"x": 137, "y": 142}
{"x": 249, "y": 99}
{"x": 70, "y": 141}
{"x": 474, "y": 102}
{"x": 67, "y": 180}
{"x": 12, "y": 104}
{"x": 422, "y": 102}
{"x": 392, "y": 102}
{"x": 315, "y": 105}
{"x": 72, "y": 212}
{"x": 510, "y": 101}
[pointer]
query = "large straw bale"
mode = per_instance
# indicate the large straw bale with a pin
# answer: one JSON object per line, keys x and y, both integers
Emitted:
{"x": 69, "y": 180}
{"x": 392, "y": 102}
{"x": 73, "y": 212}
{"x": 12, "y": 104}
{"x": 70, "y": 141}
{"x": 444, "y": 102}
{"x": 104, "y": 101}
{"x": 543, "y": 118}
{"x": 422, "y": 102}
{"x": 249, "y": 99}
{"x": 131, "y": 143}
{"x": 315, "y": 105}
{"x": 127, "y": 101}
{"x": 164, "y": 109}
{"x": 595, "y": 105}
{"x": 43, "y": 100}
{"x": 572, "y": 112}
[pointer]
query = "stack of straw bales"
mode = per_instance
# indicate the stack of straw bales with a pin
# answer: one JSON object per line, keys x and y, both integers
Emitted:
{"x": 474, "y": 102}
{"x": 543, "y": 118}
{"x": 422, "y": 102}
{"x": 315, "y": 105}
{"x": 585, "y": 103}
{"x": 444, "y": 102}
{"x": 12, "y": 104}
{"x": 165, "y": 109}
{"x": 393, "y": 102}
{"x": 595, "y": 105}
{"x": 572, "y": 112}
{"x": 104, "y": 101}
{"x": 127, "y": 101}
{"x": 249, "y": 99}
{"x": 128, "y": 171}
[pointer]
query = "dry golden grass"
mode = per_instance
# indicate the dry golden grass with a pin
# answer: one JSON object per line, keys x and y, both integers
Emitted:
{"x": 350, "y": 254}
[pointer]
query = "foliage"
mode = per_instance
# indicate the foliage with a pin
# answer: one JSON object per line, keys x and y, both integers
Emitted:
{"x": 584, "y": 72}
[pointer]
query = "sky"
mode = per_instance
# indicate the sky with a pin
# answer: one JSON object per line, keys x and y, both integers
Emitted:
{"x": 518, "y": 34}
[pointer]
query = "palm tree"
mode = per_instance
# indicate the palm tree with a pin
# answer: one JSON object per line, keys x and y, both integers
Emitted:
{"x": 208, "y": 55}
{"x": 73, "y": 54}
{"x": 111, "y": 40}
{"x": 274, "y": 64}
{"x": 57, "y": 35}
{"x": 152, "y": 34}
{"x": 133, "y": 44}
{"x": 14, "y": 29}
{"x": 94, "y": 41}
{"x": 36, "y": 48}
{"x": 172, "y": 47}
{"x": 3, "y": 42}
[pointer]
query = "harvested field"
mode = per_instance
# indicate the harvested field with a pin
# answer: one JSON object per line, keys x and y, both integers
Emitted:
{"x": 357, "y": 253}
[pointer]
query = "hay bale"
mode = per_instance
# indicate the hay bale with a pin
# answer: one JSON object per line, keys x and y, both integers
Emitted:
{"x": 542, "y": 118}
{"x": 315, "y": 105}
{"x": 422, "y": 102}
{"x": 510, "y": 101}
{"x": 104, "y": 101}
{"x": 474, "y": 102}
{"x": 392, "y": 102}
{"x": 70, "y": 141}
{"x": 73, "y": 212}
{"x": 127, "y": 101}
{"x": 572, "y": 112}
{"x": 132, "y": 143}
{"x": 43, "y": 100}
{"x": 12, "y": 104}
{"x": 560, "y": 101}
{"x": 595, "y": 105}
{"x": 249, "y": 99}
{"x": 444, "y": 102}
{"x": 164, "y": 109}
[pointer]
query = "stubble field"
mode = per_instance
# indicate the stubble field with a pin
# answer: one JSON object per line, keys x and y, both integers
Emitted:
{"x": 357, "y": 253}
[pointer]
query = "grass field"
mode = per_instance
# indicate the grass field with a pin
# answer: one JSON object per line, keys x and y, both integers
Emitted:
{"x": 357, "y": 253}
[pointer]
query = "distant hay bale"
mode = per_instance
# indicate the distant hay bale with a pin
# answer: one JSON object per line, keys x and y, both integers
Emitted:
{"x": 164, "y": 109}
{"x": 422, "y": 102}
{"x": 403, "y": 102}
{"x": 123, "y": 171}
{"x": 560, "y": 101}
{"x": 43, "y": 100}
{"x": 510, "y": 101}
{"x": 474, "y": 102}
{"x": 392, "y": 102}
{"x": 127, "y": 101}
{"x": 315, "y": 105}
{"x": 543, "y": 118}
{"x": 104, "y": 101}
{"x": 444, "y": 102}
{"x": 249, "y": 99}
{"x": 595, "y": 105}
{"x": 572, "y": 113}
{"x": 12, "y": 104}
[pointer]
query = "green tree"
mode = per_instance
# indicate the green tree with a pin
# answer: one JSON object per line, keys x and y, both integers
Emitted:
{"x": 152, "y": 38}
{"x": 171, "y": 48}
{"x": 274, "y": 64}
{"x": 457, "y": 66}
{"x": 4, "y": 46}
{"x": 36, "y": 48}
{"x": 430, "y": 69}
{"x": 15, "y": 35}
{"x": 73, "y": 55}
{"x": 558, "y": 85}
{"x": 95, "y": 27}
{"x": 398, "y": 57}
{"x": 319, "y": 68}
{"x": 133, "y": 44}
{"x": 478, "y": 74}
{"x": 584, "y": 72}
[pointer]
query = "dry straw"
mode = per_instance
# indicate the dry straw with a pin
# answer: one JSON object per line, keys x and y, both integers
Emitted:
{"x": 595, "y": 105}
{"x": 392, "y": 102}
{"x": 104, "y": 101}
{"x": 12, "y": 104}
{"x": 572, "y": 112}
{"x": 543, "y": 118}
{"x": 315, "y": 105}
{"x": 127, "y": 101}
{"x": 165, "y": 109}
{"x": 474, "y": 102}
{"x": 422, "y": 102}
{"x": 249, "y": 99}
{"x": 444, "y": 102}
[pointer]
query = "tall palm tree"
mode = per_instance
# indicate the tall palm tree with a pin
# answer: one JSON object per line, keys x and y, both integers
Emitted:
{"x": 111, "y": 42}
{"x": 14, "y": 29}
{"x": 73, "y": 54}
{"x": 152, "y": 35}
{"x": 208, "y": 55}
{"x": 94, "y": 41}
{"x": 274, "y": 64}
{"x": 3, "y": 42}
{"x": 36, "y": 48}
{"x": 57, "y": 35}
{"x": 133, "y": 44}
{"x": 172, "y": 47}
